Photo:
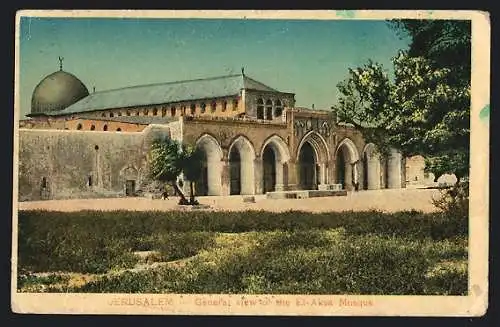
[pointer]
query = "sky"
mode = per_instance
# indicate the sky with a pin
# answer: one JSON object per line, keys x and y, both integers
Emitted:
{"x": 305, "y": 57}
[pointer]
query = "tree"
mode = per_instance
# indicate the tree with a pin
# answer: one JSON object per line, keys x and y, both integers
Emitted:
{"x": 425, "y": 108}
{"x": 192, "y": 166}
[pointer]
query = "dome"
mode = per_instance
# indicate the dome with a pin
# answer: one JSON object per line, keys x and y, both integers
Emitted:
{"x": 56, "y": 92}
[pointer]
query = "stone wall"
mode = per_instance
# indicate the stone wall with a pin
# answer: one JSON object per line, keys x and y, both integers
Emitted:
{"x": 57, "y": 164}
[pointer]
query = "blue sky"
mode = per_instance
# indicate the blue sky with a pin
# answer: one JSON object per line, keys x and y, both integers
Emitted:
{"x": 306, "y": 57}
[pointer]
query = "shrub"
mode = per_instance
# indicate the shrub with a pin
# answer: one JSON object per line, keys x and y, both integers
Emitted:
{"x": 175, "y": 245}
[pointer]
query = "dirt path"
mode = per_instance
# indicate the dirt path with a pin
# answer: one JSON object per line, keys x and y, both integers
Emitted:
{"x": 385, "y": 200}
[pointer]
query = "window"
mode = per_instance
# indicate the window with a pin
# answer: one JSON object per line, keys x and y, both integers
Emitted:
{"x": 278, "y": 110}
{"x": 111, "y": 114}
{"x": 92, "y": 127}
{"x": 224, "y": 106}
{"x": 89, "y": 181}
{"x": 145, "y": 112}
{"x": 118, "y": 129}
{"x": 260, "y": 109}
{"x": 193, "y": 109}
{"x": 96, "y": 147}
{"x": 119, "y": 113}
{"x": 184, "y": 110}
{"x": 105, "y": 128}
{"x": 103, "y": 114}
{"x": 44, "y": 182}
{"x": 79, "y": 127}
{"x": 163, "y": 112}
{"x": 235, "y": 104}
{"x": 203, "y": 106}
{"x": 155, "y": 112}
{"x": 213, "y": 106}
{"x": 137, "y": 113}
{"x": 269, "y": 110}
{"x": 172, "y": 111}
{"x": 128, "y": 113}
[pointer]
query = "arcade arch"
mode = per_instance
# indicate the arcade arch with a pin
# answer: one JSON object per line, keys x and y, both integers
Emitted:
{"x": 210, "y": 179}
{"x": 241, "y": 155}
{"x": 275, "y": 157}
{"x": 347, "y": 163}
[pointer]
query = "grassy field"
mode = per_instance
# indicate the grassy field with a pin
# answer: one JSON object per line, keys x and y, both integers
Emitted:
{"x": 242, "y": 252}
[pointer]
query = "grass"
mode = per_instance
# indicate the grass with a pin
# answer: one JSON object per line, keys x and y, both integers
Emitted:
{"x": 248, "y": 252}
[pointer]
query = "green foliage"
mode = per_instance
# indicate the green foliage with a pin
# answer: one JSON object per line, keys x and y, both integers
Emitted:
{"x": 92, "y": 241}
{"x": 454, "y": 202}
{"x": 425, "y": 108}
{"x": 169, "y": 158}
{"x": 175, "y": 245}
{"x": 338, "y": 264}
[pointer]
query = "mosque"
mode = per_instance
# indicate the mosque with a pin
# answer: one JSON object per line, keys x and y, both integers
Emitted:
{"x": 80, "y": 144}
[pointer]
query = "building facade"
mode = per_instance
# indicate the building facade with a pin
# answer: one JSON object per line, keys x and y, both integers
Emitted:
{"x": 255, "y": 140}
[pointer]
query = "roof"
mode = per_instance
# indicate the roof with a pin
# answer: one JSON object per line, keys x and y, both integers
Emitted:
{"x": 165, "y": 93}
{"x": 140, "y": 120}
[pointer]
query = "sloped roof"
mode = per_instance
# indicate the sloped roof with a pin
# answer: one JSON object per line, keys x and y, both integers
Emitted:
{"x": 140, "y": 120}
{"x": 165, "y": 93}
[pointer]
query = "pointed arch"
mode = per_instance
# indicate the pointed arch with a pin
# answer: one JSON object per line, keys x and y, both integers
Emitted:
{"x": 275, "y": 156}
{"x": 210, "y": 182}
{"x": 241, "y": 156}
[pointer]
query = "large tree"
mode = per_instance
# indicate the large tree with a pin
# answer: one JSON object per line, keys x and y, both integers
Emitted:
{"x": 424, "y": 109}
{"x": 169, "y": 158}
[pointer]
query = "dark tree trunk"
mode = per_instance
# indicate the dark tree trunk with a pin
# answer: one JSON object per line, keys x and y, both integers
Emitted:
{"x": 183, "y": 199}
{"x": 191, "y": 193}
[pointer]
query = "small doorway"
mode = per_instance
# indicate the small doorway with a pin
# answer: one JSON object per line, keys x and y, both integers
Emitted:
{"x": 235, "y": 172}
{"x": 130, "y": 187}
{"x": 269, "y": 163}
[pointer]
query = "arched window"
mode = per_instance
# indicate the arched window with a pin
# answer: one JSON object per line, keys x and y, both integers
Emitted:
{"x": 111, "y": 114}
{"x": 103, "y": 114}
{"x": 203, "y": 107}
{"x": 224, "y": 106}
{"x": 145, "y": 112}
{"x": 79, "y": 127}
{"x": 92, "y": 127}
{"x": 163, "y": 112}
{"x": 105, "y": 128}
{"x": 137, "y": 113}
{"x": 278, "y": 110}
{"x": 213, "y": 106}
{"x": 172, "y": 111}
{"x": 235, "y": 104}
{"x": 119, "y": 113}
{"x": 260, "y": 109}
{"x": 118, "y": 129}
{"x": 269, "y": 110}
{"x": 128, "y": 113}
{"x": 89, "y": 181}
{"x": 155, "y": 112}
{"x": 193, "y": 109}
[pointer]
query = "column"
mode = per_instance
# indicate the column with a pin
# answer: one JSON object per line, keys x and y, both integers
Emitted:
{"x": 258, "y": 176}
{"x": 348, "y": 176}
{"x": 225, "y": 181}
{"x": 280, "y": 177}
{"x": 394, "y": 166}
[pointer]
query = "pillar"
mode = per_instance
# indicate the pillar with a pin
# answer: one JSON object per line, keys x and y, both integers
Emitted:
{"x": 214, "y": 176}
{"x": 259, "y": 177}
{"x": 394, "y": 166}
{"x": 225, "y": 179}
{"x": 280, "y": 177}
{"x": 348, "y": 175}
{"x": 373, "y": 178}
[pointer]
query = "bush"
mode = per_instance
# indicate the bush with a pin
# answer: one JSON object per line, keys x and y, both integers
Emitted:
{"x": 174, "y": 245}
{"x": 454, "y": 201}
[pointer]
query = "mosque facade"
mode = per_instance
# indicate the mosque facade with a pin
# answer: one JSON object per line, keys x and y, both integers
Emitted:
{"x": 79, "y": 144}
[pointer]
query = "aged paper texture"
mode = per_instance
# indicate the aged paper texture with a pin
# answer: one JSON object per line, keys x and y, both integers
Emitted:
{"x": 292, "y": 210}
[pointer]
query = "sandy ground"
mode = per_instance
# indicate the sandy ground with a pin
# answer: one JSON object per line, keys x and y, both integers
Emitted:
{"x": 386, "y": 200}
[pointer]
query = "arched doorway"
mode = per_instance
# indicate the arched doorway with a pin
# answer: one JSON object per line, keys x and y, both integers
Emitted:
{"x": 269, "y": 166}
{"x": 307, "y": 167}
{"x": 234, "y": 172}
{"x": 210, "y": 181}
{"x": 341, "y": 168}
{"x": 347, "y": 162}
{"x": 201, "y": 185}
{"x": 241, "y": 167}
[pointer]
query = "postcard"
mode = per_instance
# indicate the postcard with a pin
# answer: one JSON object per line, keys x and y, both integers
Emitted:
{"x": 319, "y": 163}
